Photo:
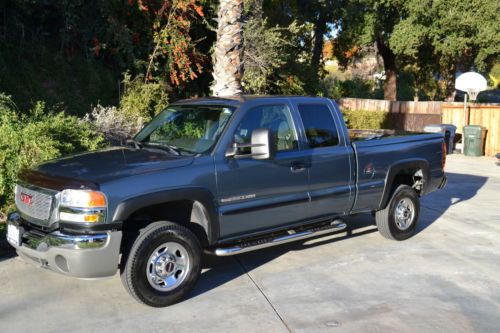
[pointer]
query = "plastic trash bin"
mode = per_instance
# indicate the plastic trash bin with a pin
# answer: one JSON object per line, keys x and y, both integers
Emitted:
{"x": 449, "y": 133}
{"x": 474, "y": 136}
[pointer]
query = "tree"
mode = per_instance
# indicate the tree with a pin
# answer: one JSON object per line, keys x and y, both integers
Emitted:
{"x": 228, "y": 53}
{"x": 367, "y": 23}
{"x": 268, "y": 53}
{"x": 447, "y": 36}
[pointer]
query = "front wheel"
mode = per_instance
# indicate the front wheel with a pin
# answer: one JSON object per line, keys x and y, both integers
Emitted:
{"x": 398, "y": 220}
{"x": 163, "y": 264}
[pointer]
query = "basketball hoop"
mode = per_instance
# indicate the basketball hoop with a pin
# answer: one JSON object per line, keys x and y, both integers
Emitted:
{"x": 473, "y": 94}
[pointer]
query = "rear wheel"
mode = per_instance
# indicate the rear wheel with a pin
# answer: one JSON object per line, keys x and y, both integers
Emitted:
{"x": 163, "y": 264}
{"x": 398, "y": 220}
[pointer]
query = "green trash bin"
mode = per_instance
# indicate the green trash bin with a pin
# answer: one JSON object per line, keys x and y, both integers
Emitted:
{"x": 474, "y": 136}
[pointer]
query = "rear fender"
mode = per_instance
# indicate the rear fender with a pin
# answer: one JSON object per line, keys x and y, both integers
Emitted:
{"x": 394, "y": 169}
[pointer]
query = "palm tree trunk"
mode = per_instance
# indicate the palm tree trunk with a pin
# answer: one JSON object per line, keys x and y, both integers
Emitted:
{"x": 228, "y": 54}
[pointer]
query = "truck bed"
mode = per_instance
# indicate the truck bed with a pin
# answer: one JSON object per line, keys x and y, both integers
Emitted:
{"x": 377, "y": 151}
{"x": 368, "y": 134}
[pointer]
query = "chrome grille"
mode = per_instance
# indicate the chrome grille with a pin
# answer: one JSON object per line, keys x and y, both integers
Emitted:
{"x": 33, "y": 203}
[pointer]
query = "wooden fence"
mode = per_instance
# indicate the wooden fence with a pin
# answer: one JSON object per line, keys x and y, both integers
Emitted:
{"x": 414, "y": 116}
{"x": 486, "y": 115}
{"x": 410, "y": 116}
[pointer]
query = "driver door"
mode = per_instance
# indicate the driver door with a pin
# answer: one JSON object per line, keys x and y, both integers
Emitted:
{"x": 256, "y": 195}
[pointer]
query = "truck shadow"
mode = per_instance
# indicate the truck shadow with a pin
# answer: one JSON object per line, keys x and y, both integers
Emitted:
{"x": 460, "y": 188}
{"x": 220, "y": 270}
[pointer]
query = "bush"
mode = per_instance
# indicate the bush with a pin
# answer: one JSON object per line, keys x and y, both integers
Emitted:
{"x": 140, "y": 99}
{"x": 37, "y": 135}
{"x": 140, "y": 102}
{"x": 116, "y": 126}
{"x": 363, "y": 119}
{"x": 355, "y": 88}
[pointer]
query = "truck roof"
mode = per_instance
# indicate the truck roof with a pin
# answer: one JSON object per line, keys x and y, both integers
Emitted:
{"x": 232, "y": 100}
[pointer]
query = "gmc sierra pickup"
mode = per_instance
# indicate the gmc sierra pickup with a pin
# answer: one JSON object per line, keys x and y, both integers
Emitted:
{"x": 220, "y": 175}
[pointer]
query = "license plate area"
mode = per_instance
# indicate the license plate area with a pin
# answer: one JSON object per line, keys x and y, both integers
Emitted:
{"x": 14, "y": 234}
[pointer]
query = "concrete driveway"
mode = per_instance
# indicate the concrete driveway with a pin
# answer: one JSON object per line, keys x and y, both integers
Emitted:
{"x": 445, "y": 279}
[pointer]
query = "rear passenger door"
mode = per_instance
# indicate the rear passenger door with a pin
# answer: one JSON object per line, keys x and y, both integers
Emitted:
{"x": 329, "y": 159}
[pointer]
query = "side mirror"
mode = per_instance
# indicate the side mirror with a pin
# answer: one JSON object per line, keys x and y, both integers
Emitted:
{"x": 262, "y": 145}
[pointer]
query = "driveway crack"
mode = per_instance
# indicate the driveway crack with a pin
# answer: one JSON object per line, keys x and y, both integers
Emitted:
{"x": 263, "y": 294}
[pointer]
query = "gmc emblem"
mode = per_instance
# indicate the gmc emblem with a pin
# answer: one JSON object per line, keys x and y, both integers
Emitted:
{"x": 26, "y": 198}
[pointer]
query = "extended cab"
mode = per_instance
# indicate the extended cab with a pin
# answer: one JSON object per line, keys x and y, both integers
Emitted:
{"x": 221, "y": 175}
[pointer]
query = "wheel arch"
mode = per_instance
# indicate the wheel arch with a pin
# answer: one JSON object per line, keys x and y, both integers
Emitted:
{"x": 203, "y": 211}
{"x": 405, "y": 167}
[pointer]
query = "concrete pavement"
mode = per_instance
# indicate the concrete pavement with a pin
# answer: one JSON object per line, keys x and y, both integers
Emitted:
{"x": 445, "y": 279}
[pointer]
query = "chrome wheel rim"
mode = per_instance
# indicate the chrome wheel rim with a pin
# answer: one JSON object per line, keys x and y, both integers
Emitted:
{"x": 404, "y": 213}
{"x": 168, "y": 266}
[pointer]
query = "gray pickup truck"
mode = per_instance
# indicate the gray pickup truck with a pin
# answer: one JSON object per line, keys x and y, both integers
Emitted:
{"x": 220, "y": 175}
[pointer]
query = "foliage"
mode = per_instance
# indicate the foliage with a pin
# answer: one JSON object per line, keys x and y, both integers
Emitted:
{"x": 35, "y": 136}
{"x": 115, "y": 125}
{"x": 445, "y": 36}
{"x": 363, "y": 119}
{"x": 266, "y": 56}
{"x": 75, "y": 51}
{"x": 174, "y": 53}
{"x": 278, "y": 48}
{"x": 140, "y": 102}
{"x": 363, "y": 25}
{"x": 355, "y": 87}
{"x": 142, "y": 99}
{"x": 37, "y": 73}
{"x": 494, "y": 75}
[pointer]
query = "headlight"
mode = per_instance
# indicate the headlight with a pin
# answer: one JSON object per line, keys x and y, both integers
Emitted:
{"x": 82, "y": 206}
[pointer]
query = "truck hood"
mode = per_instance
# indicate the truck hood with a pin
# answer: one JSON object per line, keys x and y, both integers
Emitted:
{"x": 112, "y": 163}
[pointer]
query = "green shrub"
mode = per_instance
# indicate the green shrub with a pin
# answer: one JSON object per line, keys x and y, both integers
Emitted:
{"x": 363, "y": 119}
{"x": 355, "y": 88}
{"x": 37, "y": 135}
{"x": 140, "y": 99}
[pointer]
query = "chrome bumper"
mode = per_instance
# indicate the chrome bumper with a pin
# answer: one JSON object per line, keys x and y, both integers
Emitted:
{"x": 82, "y": 256}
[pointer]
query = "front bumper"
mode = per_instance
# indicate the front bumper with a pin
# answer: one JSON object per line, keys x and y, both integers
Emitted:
{"x": 77, "y": 255}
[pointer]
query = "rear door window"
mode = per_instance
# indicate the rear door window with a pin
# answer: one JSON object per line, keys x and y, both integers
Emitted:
{"x": 319, "y": 125}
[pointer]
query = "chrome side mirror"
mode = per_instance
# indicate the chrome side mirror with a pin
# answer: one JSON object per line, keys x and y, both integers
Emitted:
{"x": 262, "y": 146}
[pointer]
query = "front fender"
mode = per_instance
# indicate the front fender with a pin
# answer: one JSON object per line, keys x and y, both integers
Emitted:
{"x": 127, "y": 207}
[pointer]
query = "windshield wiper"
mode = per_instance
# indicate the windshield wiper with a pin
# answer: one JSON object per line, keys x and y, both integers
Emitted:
{"x": 134, "y": 143}
{"x": 171, "y": 148}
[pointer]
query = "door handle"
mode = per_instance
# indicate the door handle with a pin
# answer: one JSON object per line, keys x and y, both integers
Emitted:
{"x": 297, "y": 167}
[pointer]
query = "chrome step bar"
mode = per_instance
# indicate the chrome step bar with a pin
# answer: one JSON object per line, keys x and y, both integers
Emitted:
{"x": 292, "y": 236}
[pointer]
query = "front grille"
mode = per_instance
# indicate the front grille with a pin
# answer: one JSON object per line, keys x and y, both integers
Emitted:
{"x": 33, "y": 203}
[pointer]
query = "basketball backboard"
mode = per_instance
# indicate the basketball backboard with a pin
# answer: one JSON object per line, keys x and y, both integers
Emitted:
{"x": 472, "y": 83}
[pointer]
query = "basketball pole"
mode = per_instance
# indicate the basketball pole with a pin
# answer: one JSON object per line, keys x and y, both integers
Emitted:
{"x": 465, "y": 108}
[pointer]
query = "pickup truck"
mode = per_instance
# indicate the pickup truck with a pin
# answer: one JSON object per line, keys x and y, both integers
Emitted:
{"x": 218, "y": 175}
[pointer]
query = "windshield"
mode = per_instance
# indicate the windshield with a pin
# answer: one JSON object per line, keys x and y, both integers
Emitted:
{"x": 190, "y": 129}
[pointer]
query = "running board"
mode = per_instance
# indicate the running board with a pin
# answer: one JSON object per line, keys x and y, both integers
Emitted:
{"x": 291, "y": 236}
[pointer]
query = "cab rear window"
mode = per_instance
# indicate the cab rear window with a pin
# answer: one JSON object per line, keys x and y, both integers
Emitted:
{"x": 319, "y": 125}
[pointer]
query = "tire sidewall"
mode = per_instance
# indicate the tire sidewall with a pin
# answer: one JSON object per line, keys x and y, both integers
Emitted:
{"x": 403, "y": 191}
{"x": 147, "y": 245}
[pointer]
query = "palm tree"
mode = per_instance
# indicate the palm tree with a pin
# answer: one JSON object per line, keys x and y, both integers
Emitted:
{"x": 228, "y": 54}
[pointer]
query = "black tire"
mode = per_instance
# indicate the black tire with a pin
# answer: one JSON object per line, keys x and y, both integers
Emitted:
{"x": 136, "y": 262}
{"x": 388, "y": 225}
